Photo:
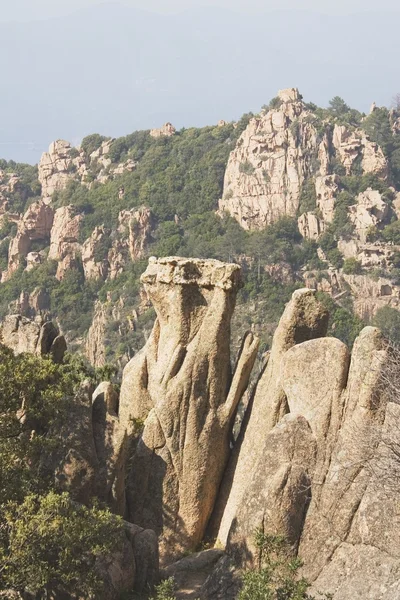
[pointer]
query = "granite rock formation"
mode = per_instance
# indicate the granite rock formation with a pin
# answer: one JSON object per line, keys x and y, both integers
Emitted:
{"x": 180, "y": 385}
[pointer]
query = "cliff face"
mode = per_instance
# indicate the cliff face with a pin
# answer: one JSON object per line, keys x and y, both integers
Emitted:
{"x": 279, "y": 151}
{"x": 271, "y": 160}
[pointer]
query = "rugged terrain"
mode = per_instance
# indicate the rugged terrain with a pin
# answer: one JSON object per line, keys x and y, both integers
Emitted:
{"x": 297, "y": 195}
{"x": 315, "y": 461}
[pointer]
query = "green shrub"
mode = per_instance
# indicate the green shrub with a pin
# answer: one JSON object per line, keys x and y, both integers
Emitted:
{"x": 246, "y": 168}
{"x": 277, "y": 576}
{"x": 54, "y": 543}
{"x": 165, "y": 590}
{"x": 351, "y": 266}
{"x": 391, "y": 233}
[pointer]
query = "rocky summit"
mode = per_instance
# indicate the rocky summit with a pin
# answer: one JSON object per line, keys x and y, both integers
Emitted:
{"x": 199, "y": 364}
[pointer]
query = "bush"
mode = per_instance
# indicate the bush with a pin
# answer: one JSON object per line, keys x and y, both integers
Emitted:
{"x": 165, "y": 590}
{"x": 277, "y": 576}
{"x": 351, "y": 266}
{"x": 246, "y": 168}
{"x": 92, "y": 142}
{"x": 308, "y": 197}
{"x": 391, "y": 233}
{"x": 275, "y": 103}
{"x": 54, "y": 543}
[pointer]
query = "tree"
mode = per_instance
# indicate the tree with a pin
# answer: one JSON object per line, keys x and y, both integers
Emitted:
{"x": 351, "y": 266}
{"x": 54, "y": 546}
{"x": 396, "y": 102}
{"x": 391, "y": 233}
{"x": 338, "y": 106}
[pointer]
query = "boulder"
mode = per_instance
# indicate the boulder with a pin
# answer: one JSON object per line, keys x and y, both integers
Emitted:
{"x": 35, "y": 224}
{"x": 166, "y": 130}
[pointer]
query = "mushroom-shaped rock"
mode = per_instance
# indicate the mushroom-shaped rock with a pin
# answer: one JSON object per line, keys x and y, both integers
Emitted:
{"x": 181, "y": 385}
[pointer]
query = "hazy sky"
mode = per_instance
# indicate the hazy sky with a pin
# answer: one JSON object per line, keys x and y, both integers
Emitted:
{"x": 41, "y": 9}
{"x": 75, "y": 67}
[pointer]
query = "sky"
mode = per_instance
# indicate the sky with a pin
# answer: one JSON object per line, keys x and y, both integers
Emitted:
{"x": 75, "y": 67}
{"x": 42, "y": 9}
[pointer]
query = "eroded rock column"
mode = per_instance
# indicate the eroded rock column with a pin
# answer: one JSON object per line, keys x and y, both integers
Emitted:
{"x": 181, "y": 385}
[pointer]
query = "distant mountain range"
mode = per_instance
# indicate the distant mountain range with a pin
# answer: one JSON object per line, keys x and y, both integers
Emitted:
{"x": 113, "y": 69}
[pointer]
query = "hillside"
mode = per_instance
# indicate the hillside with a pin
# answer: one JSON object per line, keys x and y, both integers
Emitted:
{"x": 297, "y": 195}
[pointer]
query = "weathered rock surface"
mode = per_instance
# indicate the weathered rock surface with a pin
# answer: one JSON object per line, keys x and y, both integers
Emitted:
{"x": 35, "y": 224}
{"x": 356, "y": 501}
{"x": 64, "y": 246}
{"x": 94, "y": 266}
{"x": 181, "y": 454}
{"x": 95, "y": 349}
{"x": 328, "y": 476}
{"x": 55, "y": 168}
{"x": 368, "y": 294}
{"x": 371, "y": 210}
{"x": 35, "y": 336}
{"x": 351, "y": 145}
{"x": 266, "y": 170}
{"x": 304, "y": 319}
{"x": 310, "y": 226}
{"x": 134, "y": 233}
{"x": 278, "y": 152}
{"x": 277, "y": 492}
{"x": 326, "y": 188}
{"x": 166, "y": 130}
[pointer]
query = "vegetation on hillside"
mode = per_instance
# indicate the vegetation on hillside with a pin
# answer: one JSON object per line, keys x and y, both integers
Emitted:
{"x": 181, "y": 179}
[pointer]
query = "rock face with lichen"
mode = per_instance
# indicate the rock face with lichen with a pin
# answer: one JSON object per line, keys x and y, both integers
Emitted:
{"x": 181, "y": 386}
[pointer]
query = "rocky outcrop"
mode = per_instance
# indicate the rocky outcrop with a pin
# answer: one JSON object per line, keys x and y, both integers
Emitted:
{"x": 95, "y": 349}
{"x": 368, "y": 294}
{"x": 351, "y": 145}
{"x": 279, "y": 151}
{"x": 371, "y": 210}
{"x": 103, "y": 258}
{"x": 271, "y": 160}
{"x": 94, "y": 258}
{"x": 35, "y": 336}
{"x": 310, "y": 226}
{"x": 134, "y": 233}
{"x": 184, "y": 446}
{"x": 55, "y": 168}
{"x": 326, "y": 188}
{"x": 166, "y": 130}
{"x": 35, "y": 224}
{"x": 304, "y": 319}
{"x": 327, "y": 476}
{"x": 351, "y": 520}
{"x": 64, "y": 246}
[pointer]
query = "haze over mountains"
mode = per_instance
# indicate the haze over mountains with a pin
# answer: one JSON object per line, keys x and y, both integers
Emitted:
{"x": 113, "y": 69}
